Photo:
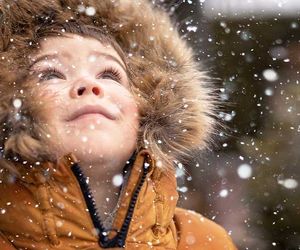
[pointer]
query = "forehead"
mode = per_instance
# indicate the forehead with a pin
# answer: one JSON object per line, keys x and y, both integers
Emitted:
{"x": 74, "y": 46}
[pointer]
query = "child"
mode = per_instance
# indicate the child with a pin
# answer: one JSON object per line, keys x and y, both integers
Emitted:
{"x": 98, "y": 101}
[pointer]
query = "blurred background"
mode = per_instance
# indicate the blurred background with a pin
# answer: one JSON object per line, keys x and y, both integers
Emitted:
{"x": 248, "y": 182}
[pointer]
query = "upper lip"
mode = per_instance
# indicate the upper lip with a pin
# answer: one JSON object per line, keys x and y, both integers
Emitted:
{"x": 91, "y": 109}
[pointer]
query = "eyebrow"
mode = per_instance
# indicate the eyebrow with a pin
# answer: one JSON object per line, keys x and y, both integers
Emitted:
{"x": 97, "y": 54}
{"x": 108, "y": 56}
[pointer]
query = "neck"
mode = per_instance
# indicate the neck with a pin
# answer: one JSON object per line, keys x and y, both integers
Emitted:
{"x": 100, "y": 176}
{"x": 105, "y": 195}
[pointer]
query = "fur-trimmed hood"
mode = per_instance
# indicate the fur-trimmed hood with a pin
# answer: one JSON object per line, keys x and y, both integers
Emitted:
{"x": 176, "y": 104}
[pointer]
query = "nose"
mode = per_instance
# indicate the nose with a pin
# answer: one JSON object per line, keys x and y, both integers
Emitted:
{"x": 86, "y": 89}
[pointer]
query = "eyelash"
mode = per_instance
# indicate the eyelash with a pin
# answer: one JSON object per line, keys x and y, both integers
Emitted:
{"x": 116, "y": 75}
{"x": 49, "y": 71}
{"x": 114, "y": 72}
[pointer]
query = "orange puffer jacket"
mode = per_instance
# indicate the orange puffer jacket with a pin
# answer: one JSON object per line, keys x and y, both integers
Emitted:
{"x": 50, "y": 207}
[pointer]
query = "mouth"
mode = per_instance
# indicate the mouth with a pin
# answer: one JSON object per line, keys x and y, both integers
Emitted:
{"x": 91, "y": 111}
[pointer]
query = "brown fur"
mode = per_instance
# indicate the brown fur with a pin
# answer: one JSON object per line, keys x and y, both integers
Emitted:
{"x": 175, "y": 101}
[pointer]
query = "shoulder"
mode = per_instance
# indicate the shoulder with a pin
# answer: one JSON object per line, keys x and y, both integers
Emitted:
{"x": 197, "y": 232}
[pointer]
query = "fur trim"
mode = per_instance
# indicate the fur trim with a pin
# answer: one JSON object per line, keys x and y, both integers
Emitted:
{"x": 175, "y": 101}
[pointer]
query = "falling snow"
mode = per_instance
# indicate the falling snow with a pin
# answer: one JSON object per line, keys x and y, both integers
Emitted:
{"x": 90, "y": 11}
{"x": 117, "y": 180}
{"x": 192, "y": 28}
{"x": 269, "y": 91}
{"x": 17, "y": 103}
{"x": 270, "y": 75}
{"x": 223, "y": 193}
{"x": 288, "y": 183}
{"x": 244, "y": 171}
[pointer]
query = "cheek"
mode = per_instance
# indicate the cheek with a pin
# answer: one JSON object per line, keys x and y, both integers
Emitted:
{"x": 121, "y": 96}
{"x": 134, "y": 116}
{"x": 128, "y": 107}
{"x": 129, "y": 110}
{"x": 53, "y": 96}
{"x": 49, "y": 101}
{"x": 50, "y": 95}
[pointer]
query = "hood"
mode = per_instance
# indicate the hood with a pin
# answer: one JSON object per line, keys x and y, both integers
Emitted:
{"x": 176, "y": 103}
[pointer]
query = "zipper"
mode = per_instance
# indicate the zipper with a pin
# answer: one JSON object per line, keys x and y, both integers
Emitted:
{"x": 120, "y": 238}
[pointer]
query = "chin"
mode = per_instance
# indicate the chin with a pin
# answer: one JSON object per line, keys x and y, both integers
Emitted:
{"x": 101, "y": 148}
{"x": 97, "y": 144}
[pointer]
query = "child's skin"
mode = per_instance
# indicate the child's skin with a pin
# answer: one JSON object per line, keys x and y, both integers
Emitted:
{"x": 103, "y": 144}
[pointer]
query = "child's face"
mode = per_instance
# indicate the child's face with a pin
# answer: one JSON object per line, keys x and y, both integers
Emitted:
{"x": 90, "y": 110}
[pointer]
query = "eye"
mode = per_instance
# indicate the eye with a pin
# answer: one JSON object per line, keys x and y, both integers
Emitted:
{"x": 111, "y": 73}
{"x": 50, "y": 73}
